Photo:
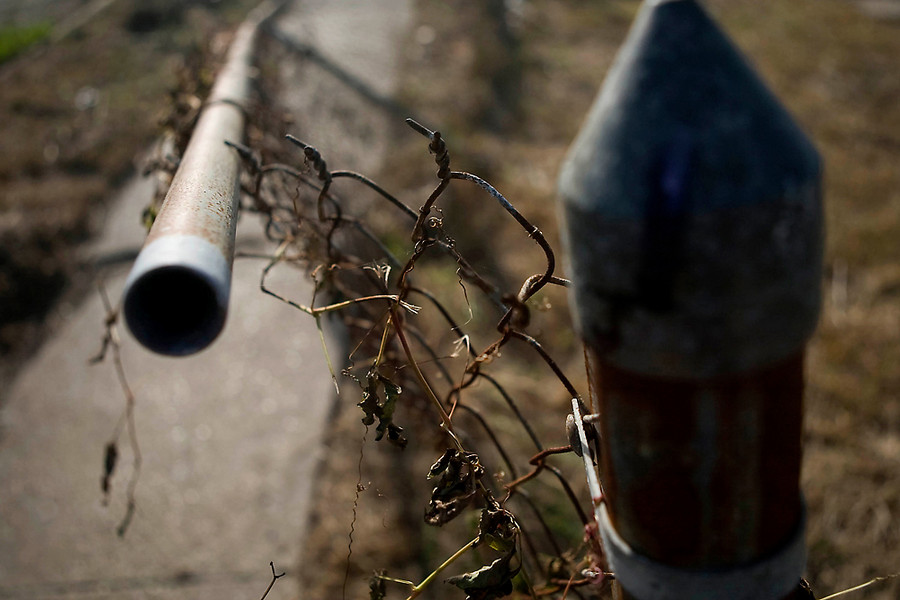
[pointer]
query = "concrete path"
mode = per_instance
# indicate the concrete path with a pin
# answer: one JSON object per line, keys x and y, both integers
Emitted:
{"x": 229, "y": 437}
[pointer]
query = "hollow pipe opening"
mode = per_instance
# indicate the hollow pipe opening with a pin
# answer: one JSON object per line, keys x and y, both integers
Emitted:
{"x": 174, "y": 310}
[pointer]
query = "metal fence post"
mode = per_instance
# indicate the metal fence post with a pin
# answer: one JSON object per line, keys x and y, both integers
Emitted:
{"x": 693, "y": 225}
{"x": 176, "y": 296}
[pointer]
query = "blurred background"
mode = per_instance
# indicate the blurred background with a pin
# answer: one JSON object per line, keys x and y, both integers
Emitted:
{"x": 86, "y": 85}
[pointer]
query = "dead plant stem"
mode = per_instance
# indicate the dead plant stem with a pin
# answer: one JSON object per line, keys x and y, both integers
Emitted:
{"x": 418, "y": 589}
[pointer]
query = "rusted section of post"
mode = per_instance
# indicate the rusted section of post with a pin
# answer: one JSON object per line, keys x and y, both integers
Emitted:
{"x": 702, "y": 474}
{"x": 693, "y": 226}
{"x": 176, "y": 297}
{"x": 715, "y": 463}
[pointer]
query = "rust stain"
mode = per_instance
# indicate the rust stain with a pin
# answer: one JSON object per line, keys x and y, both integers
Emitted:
{"x": 203, "y": 198}
{"x": 701, "y": 474}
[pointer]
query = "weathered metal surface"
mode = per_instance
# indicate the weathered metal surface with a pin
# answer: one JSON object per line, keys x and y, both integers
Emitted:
{"x": 701, "y": 474}
{"x": 176, "y": 297}
{"x": 692, "y": 208}
{"x": 694, "y": 231}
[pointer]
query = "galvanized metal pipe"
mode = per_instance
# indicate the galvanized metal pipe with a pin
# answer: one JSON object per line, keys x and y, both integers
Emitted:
{"x": 693, "y": 226}
{"x": 176, "y": 297}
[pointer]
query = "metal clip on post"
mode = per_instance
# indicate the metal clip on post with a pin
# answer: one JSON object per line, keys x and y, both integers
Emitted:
{"x": 176, "y": 296}
{"x": 694, "y": 231}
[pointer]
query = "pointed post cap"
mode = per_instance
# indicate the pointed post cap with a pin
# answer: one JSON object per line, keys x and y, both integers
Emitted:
{"x": 691, "y": 208}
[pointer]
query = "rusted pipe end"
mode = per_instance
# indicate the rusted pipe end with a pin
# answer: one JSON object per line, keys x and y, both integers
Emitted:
{"x": 176, "y": 297}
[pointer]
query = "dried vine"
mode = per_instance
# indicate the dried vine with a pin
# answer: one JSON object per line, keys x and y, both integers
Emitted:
{"x": 370, "y": 288}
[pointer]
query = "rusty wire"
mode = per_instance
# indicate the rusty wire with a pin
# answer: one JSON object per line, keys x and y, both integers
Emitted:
{"x": 372, "y": 290}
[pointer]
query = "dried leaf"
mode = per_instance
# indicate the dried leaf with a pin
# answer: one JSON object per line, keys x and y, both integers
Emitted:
{"x": 374, "y": 407}
{"x": 458, "y": 474}
{"x": 110, "y": 457}
{"x": 369, "y": 405}
{"x": 498, "y": 528}
{"x": 377, "y": 586}
{"x": 440, "y": 512}
{"x": 395, "y": 436}
{"x": 491, "y": 581}
{"x": 385, "y": 418}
